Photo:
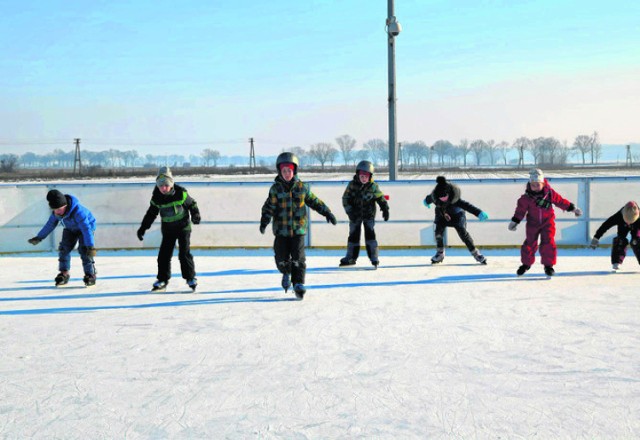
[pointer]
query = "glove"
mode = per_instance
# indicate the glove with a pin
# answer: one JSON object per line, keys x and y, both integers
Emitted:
{"x": 34, "y": 241}
{"x": 195, "y": 218}
{"x": 332, "y": 219}
{"x": 91, "y": 251}
{"x": 483, "y": 216}
{"x": 424, "y": 202}
{"x": 385, "y": 215}
{"x": 263, "y": 228}
{"x": 594, "y": 243}
{"x": 513, "y": 226}
{"x": 577, "y": 212}
{"x": 140, "y": 234}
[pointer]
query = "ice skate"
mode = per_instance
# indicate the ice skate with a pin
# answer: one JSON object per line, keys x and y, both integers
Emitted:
{"x": 549, "y": 271}
{"x": 300, "y": 290}
{"x": 522, "y": 269}
{"x": 62, "y": 278}
{"x": 192, "y": 283}
{"x": 479, "y": 257}
{"x": 89, "y": 280}
{"x": 159, "y": 286}
{"x": 438, "y": 257}
{"x": 286, "y": 282}
{"x": 347, "y": 262}
{"x": 375, "y": 264}
{"x": 615, "y": 267}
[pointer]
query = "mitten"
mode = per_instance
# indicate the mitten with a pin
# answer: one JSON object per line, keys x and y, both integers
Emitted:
{"x": 195, "y": 218}
{"x": 91, "y": 251}
{"x": 34, "y": 241}
{"x": 263, "y": 228}
{"x": 424, "y": 202}
{"x": 332, "y": 219}
{"x": 594, "y": 243}
{"x": 140, "y": 234}
{"x": 513, "y": 226}
{"x": 483, "y": 216}
{"x": 385, "y": 215}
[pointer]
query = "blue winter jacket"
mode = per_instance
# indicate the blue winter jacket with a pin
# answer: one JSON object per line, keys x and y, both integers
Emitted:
{"x": 76, "y": 218}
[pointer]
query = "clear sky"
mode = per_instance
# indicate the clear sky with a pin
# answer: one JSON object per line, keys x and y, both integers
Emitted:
{"x": 153, "y": 75}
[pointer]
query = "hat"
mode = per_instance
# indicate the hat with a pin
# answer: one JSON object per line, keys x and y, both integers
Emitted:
{"x": 164, "y": 177}
{"x": 56, "y": 199}
{"x": 630, "y": 212}
{"x": 442, "y": 187}
{"x": 291, "y": 166}
{"x": 536, "y": 175}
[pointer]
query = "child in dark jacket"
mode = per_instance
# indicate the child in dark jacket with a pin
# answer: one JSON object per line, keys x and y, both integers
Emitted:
{"x": 174, "y": 205}
{"x": 450, "y": 212}
{"x": 79, "y": 226}
{"x": 359, "y": 201}
{"x": 286, "y": 205}
{"x": 537, "y": 205}
{"x": 627, "y": 220}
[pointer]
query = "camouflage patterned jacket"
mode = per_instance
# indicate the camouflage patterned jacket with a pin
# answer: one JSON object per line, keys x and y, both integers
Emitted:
{"x": 174, "y": 209}
{"x": 360, "y": 200}
{"x": 287, "y": 206}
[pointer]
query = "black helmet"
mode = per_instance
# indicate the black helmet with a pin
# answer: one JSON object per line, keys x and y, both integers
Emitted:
{"x": 287, "y": 158}
{"x": 365, "y": 165}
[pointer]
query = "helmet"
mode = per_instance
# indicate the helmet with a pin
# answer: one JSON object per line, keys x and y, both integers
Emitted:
{"x": 365, "y": 165}
{"x": 287, "y": 158}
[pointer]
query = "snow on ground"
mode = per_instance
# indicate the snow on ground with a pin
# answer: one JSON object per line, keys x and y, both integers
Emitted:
{"x": 457, "y": 350}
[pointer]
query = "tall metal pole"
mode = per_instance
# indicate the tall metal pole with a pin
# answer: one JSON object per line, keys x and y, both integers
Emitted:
{"x": 393, "y": 30}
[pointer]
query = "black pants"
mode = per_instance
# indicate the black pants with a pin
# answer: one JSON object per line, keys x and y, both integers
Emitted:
{"x": 290, "y": 257}
{"x": 184, "y": 254}
{"x": 353, "y": 242}
{"x": 619, "y": 249}
{"x": 461, "y": 228}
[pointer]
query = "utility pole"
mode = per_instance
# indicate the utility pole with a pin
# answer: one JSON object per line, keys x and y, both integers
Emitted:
{"x": 629, "y": 162}
{"x": 393, "y": 30}
{"x": 252, "y": 155}
{"x": 77, "y": 162}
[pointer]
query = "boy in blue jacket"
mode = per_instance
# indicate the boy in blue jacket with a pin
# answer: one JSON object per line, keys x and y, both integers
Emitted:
{"x": 79, "y": 226}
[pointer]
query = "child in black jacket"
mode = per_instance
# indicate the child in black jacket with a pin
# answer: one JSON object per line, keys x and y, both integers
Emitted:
{"x": 174, "y": 205}
{"x": 450, "y": 212}
{"x": 628, "y": 221}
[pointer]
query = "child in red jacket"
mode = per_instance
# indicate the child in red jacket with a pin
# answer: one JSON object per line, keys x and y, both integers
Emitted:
{"x": 537, "y": 204}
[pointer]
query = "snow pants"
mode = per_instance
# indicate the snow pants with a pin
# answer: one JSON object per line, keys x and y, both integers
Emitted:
{"x": 460, "y": 225}
{"x": 353, "y": 242}
{"x": 548, "y": 250}
{"x": 165, "y": 254}
{"x": 619, "y": 249}
{"x": 68, "y": 242}
{"x": 290, "y": 257}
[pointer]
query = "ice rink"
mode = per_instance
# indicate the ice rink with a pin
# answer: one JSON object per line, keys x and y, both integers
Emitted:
{"x": 457, "y": 350}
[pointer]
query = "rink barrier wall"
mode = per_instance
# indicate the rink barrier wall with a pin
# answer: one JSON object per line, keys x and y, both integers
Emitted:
{"x": 231, "y": 212}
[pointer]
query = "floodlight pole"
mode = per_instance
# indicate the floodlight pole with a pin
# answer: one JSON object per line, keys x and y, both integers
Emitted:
{"x": 393, "y": 30}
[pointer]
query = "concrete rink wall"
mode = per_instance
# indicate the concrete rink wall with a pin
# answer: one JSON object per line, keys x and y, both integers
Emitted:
{"x": 231, "y": 212}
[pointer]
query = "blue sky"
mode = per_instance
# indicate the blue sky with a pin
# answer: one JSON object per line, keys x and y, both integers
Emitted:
{"x": 161, "y": 75}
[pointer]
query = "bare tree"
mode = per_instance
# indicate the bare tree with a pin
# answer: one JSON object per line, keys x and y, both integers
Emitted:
{"x": 322, "y": 152}
{"x": 346, "y": 144}
{"x": 464, "y": 149}
{"x": 491, "y": 150}
{"x": 442, "y": 148}
{"x": 209, "y": 155}
{"x": 478, "y": 148}
{"x": 522, "y": 144}
{"x": 377, "y": 149}
{"x": 596, "y": 147}
{"x": 8, "y": 163}
{"x": 503, "y": 148}
{"x": 582, "y": 144}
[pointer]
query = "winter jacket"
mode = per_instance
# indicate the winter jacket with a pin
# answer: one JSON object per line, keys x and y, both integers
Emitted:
{"x": 286, "y": 204}
{"x": 452, "y": 212}
{"x": 538, "y": 206}
{"x": 76, "y": 218}
{"x": 174, "y": 209}
{"x": 360, "y": 200}
{"x": 623, "y": 228}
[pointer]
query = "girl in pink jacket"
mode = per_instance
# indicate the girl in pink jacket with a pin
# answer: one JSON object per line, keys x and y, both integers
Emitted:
{"x": 537, "y": 204}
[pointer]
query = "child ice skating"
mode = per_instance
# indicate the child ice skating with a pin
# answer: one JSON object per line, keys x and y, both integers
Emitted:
{"x": 359, "y": 201}
{"x": 286, "y": 205}
{"x": 450, "y": 212}
{"x": 174, "y": 205}
{"x": 79, "y": 226}
{"x": 627, "y": 221}
{"x": 537, "y": 205}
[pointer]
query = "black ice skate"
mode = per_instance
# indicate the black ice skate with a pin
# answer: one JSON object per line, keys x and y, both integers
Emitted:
{"x": 286, "y": 282}
{"x": 549, "y": 271}
{"x": 375, "y": 264}
{"x": 522, "y": 269}
{"x": 479, "y": 257}
{"x": 159, "y": 286}
{"x": 438, "y": 257}
{"x": 62, "y": 278}
{"x": 89, "y": 280}
{"x": 192, "y": 283}
{"x": 347, "y": 262}
{"x": 300, "y": 290}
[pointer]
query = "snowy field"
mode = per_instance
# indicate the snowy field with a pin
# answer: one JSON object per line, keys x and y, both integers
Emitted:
{"x": 411, "y": 350}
